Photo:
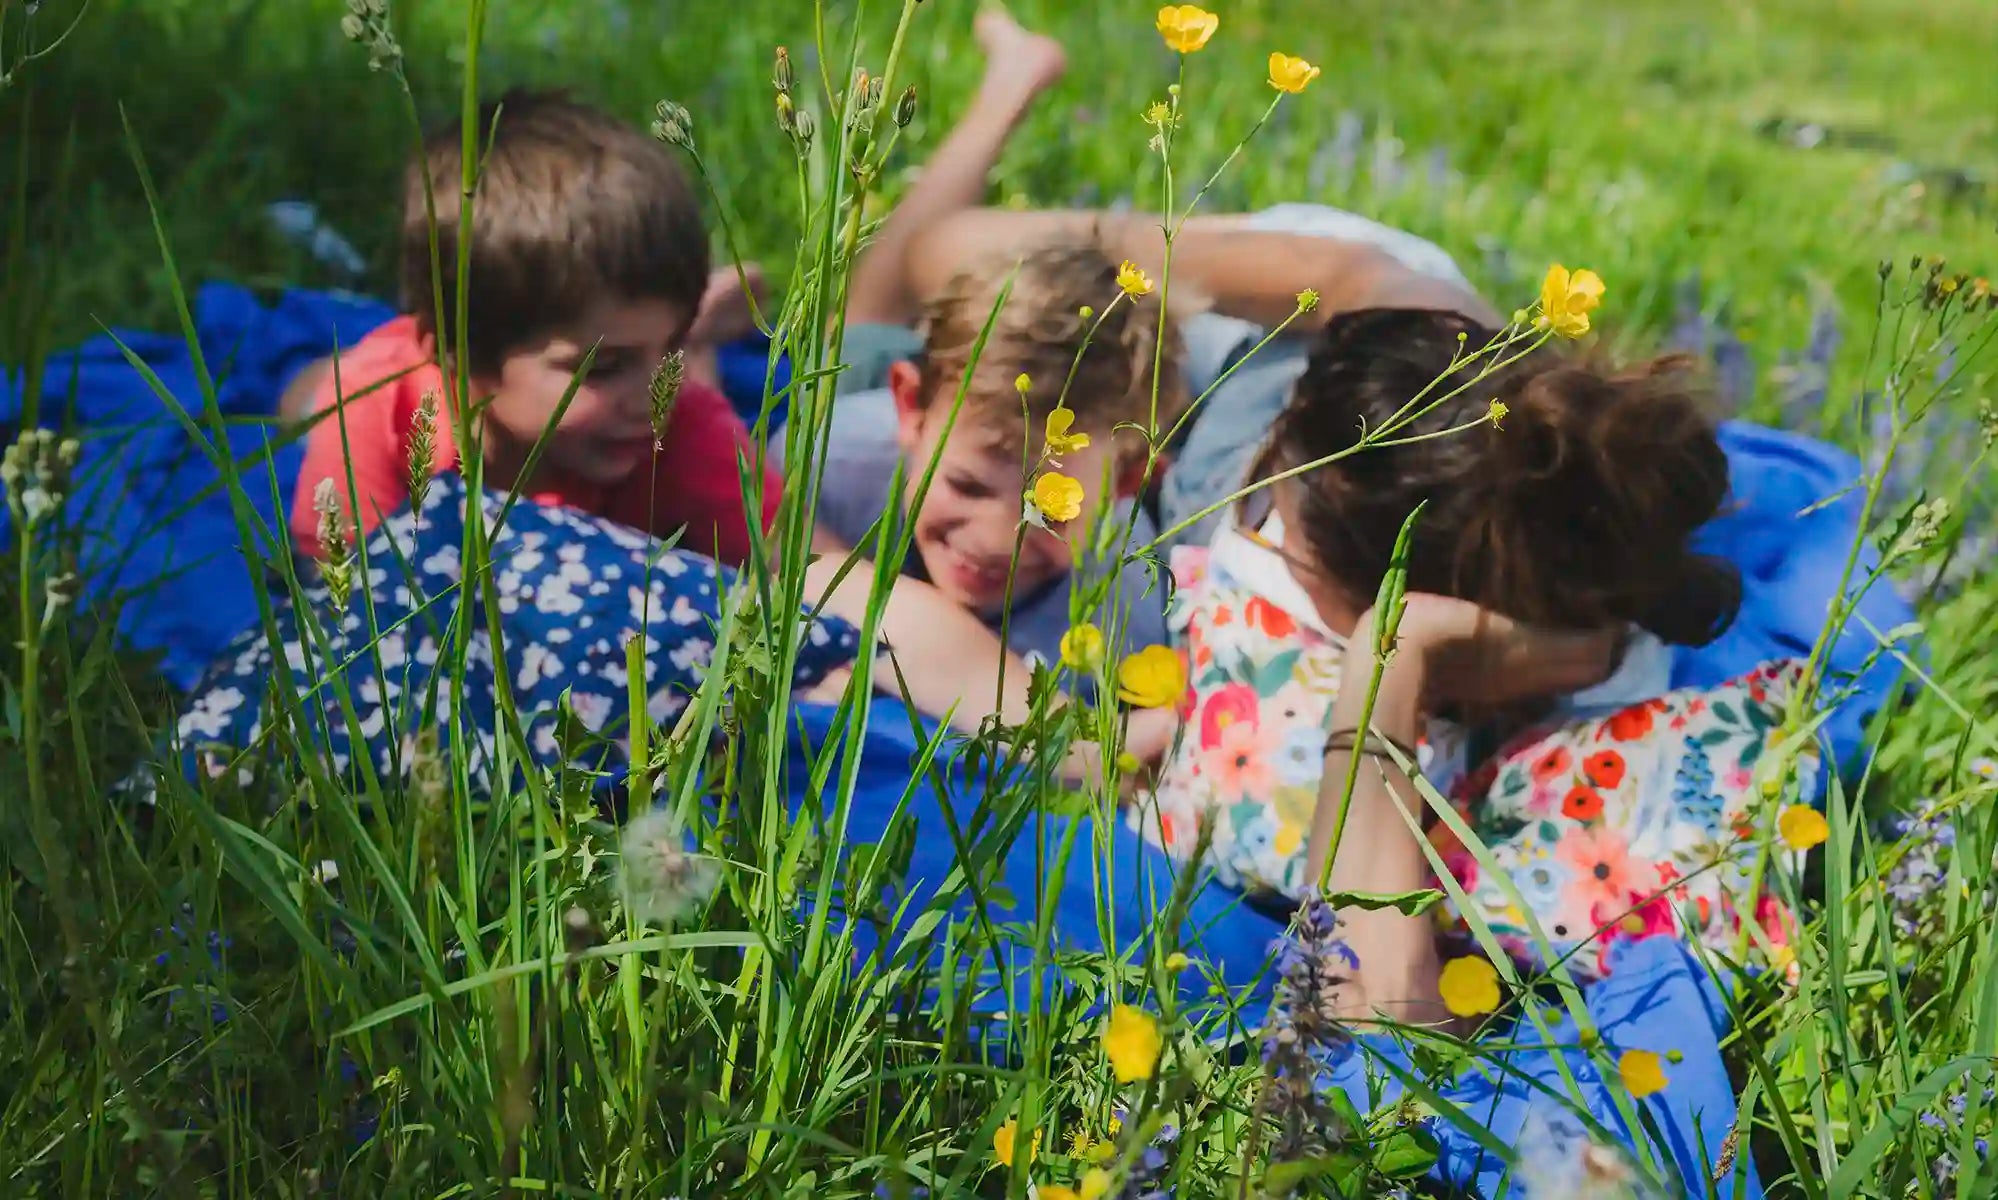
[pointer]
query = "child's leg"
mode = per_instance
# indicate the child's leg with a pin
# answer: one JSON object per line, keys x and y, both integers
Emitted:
{"x": 1019, "y": 65}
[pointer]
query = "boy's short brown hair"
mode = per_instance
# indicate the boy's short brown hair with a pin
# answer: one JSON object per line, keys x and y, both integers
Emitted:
{"x": 572, "y": 206}
{"x": 1038, "y": 334}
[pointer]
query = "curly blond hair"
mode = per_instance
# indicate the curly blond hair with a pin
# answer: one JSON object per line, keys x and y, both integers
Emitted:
{"x": 1038, "y": 333}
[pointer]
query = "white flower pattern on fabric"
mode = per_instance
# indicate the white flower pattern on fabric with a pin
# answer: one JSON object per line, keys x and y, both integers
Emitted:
{"x": 554, "y": 564}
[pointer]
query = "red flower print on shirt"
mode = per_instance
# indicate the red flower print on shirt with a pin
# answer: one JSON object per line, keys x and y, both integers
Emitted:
{"x": 1604, "y": 768}
{"x": 1582, "y": 803}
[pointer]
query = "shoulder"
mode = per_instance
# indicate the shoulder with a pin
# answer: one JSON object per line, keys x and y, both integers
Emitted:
{"x": 387, "y": 372}
{"x": 861, "y": 453}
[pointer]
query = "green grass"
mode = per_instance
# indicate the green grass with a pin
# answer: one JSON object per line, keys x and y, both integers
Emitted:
{"x": 747, "y": 1055}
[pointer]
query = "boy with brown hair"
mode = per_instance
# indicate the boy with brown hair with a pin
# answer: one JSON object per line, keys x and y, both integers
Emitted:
{"x": 587, "y": 233}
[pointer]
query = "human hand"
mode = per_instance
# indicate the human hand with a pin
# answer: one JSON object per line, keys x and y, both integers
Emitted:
{"x": 1472, "y": 655}
{"x": 725, "y": 313}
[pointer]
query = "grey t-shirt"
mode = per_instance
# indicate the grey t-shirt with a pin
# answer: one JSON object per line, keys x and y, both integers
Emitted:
{"x": 857, "y": 489}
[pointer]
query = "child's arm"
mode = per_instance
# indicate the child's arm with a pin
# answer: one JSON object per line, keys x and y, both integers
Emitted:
{"x": 1446, "y": 650}
{"x": 360, "y": 430}
{"x": 948, "y": 658}
{"x": 1218, "y": 262}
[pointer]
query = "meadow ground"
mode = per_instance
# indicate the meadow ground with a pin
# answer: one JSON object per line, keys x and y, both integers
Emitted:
{"x": 1739, "y": 170}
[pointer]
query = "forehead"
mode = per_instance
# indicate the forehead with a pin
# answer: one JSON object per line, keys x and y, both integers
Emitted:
{"x": 618, "y": 323}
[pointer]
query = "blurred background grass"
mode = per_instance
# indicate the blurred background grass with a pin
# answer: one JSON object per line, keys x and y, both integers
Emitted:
{"x": 1770, "y": 153}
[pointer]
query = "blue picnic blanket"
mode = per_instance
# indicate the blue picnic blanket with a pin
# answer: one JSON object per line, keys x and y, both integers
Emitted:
{"x": 1657, "y": 996}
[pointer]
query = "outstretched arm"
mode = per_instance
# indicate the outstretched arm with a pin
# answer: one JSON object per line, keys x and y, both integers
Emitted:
{"x": 1220, "y": 263}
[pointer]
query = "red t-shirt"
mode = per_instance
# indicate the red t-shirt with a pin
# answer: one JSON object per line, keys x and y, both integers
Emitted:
{"x": 693, "y": 475}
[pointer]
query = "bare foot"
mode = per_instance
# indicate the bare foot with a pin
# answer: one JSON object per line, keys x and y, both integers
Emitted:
{"x": 1019, "y": 64}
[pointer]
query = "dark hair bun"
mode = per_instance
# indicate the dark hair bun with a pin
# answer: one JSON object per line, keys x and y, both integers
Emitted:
{"x": 1578, "y": 509}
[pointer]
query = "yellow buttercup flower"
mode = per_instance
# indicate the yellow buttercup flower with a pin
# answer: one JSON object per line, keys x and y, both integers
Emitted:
{"x": 1133, "y": 1043}
{"x": 1152, "y": 678}
{"x": 1802, "y": 827}
{"x": 1643, "y": 1072}
{"x": 1567, "y": 298}
{"x": 1186, "y": 27}
{"x": 1082, "y": 647}
{"x": 1470, "y": 986}
{"x": 1095, "y": 1184}
{"x": 1060, "y": 440}
{"x": 1055, "y": 1191}
{"x": 1291, "y": 74}
{"x": 1132, "y": 278}
{"x": 1058, "y": 497}
{"x": 1004, "y": 1139}
{"x": 1496, "y": 414}
{"x": 1023, "y": 383}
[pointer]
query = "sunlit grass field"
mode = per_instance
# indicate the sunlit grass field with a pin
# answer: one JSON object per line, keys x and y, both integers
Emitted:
{"x": 1737, "y": 172}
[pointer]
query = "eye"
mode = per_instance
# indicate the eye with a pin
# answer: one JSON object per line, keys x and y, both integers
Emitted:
{"x": 970, "y": 487}
{"x": 606, "y": 365}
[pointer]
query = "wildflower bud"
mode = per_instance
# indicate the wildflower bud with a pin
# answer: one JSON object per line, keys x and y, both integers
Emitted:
{"x": 377, "y": 9}
{"x": 663, "y": 389}
{"x": 1886, "y": 269}
{"x": 862, "y": 90}
{"x": 358, "y": 7}
{"x": 675, "y": 125}
{"x": 803, "y": 126}
{"x": 334, "y": 548}
{"x": 785, "y": 118}
{"x": 1307, "y": 300}
{"x": 354, "y": 28}
{"x": 1172, "y": 90}
{"x": 781, "y": 76}
{"x": 1085, "y": 312}
{"x": 1915, "y": 262}
{"x": 905, "y": 108}
{"x": 1519, "y": 316}
{"x": 422, "y": 448}
{"x": 1023, "y": 384}
{"x": 1674, "y": 1057}
{"x": 1987, "y": 422}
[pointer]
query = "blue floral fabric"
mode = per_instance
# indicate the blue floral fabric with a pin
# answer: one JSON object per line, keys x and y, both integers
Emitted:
{"x": 571, "y": 590}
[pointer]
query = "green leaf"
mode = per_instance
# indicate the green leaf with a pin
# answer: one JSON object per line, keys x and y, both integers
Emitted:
{"x": 1346, "y": 1170}
{"x": 1275, "y": 673}
{"x": 1412, "y": 904}
{"x": 1725, "y": 712}
{"x": 1405, "y": 1153}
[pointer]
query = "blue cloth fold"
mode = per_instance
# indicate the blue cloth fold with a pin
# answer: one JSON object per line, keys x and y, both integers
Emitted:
{"x": 1791, "y": 562}
{"x": 159, "y": 528}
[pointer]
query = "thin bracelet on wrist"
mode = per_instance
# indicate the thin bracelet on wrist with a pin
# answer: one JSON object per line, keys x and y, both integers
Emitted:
{"x": 1375, "y": 745}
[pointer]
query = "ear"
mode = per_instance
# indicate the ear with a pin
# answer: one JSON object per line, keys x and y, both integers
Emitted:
{"x": 905, "y": 386}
